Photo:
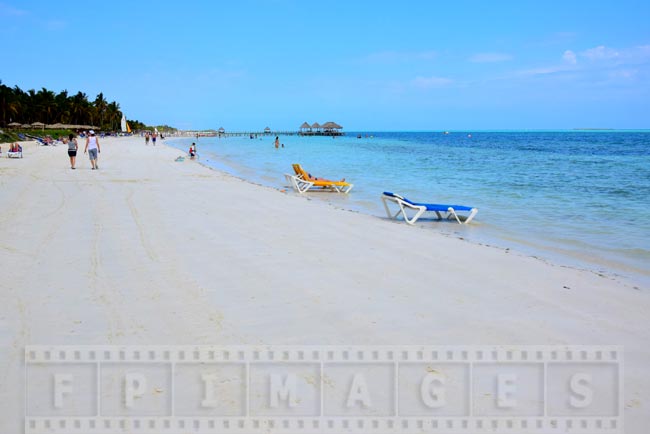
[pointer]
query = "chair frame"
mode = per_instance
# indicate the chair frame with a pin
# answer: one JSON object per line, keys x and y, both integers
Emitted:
{"x": 15, "y": 154}
{"x": 421, "y": 209}
{"x": 302, "y": 184}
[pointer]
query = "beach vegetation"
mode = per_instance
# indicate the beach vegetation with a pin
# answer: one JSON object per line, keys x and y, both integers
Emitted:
{"x": 48, "y": 107}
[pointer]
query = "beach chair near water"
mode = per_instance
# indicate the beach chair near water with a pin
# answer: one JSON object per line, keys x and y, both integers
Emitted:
{"x": 451, "y": 211}
{"x": 302, "y": 182}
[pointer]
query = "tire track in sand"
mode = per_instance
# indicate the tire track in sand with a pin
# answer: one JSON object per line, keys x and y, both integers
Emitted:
{"x": 138, "y": 223}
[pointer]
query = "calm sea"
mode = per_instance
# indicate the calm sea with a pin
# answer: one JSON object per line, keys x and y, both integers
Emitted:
{"x": 578, "y": 198}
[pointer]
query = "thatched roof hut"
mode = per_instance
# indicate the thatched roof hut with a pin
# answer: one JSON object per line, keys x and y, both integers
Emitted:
{"x": 332, "y": 126}
{"x": 315, "y": 125}
{"x": 305, "y": 126}
{"x": 221, "y": 130}
{"x": 267, "y": 130}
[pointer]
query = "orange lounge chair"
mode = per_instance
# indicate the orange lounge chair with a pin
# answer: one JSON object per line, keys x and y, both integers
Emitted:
{"x": 302, "y": 182}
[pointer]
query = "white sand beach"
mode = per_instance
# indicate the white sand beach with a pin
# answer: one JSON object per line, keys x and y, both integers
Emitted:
{"x": 147, "y": 250}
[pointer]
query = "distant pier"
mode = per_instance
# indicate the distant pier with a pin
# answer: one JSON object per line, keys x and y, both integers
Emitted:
{"x": 260, "y": 133}
{"x": 315, "y": 129}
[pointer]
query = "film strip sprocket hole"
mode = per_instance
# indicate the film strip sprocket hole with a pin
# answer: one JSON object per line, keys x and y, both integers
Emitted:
{"x": 314, "y": 389}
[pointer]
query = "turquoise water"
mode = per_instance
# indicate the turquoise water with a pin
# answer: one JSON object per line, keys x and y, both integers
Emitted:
{"x": 578, "y": 198}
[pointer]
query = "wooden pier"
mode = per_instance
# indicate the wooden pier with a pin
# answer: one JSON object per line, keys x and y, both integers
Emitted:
{"x": 327, "y": 129}
{"x": 256, "y": 134}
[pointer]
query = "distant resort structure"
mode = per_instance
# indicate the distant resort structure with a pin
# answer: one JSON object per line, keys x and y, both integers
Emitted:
{"x": 315, "y": 129}
{"x": 327, "y": 129}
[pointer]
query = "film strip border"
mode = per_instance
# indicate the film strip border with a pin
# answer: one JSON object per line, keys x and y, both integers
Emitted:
{"x": 315, "y": 354}
{"x": 43, "y": 355}
{"x": 305, "y": 425}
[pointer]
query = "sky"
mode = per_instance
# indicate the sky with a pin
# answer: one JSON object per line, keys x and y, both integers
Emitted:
{"x": 367, "y": 65}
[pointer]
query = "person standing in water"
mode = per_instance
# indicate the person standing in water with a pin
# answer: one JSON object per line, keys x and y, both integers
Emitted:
{"x": 277, "y": 142}
{"x": 72, "y": 150}
{"x": 93, "y": 149}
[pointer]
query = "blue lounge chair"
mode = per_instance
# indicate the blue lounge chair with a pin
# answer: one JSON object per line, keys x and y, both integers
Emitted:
{"x": 421, "y": 208}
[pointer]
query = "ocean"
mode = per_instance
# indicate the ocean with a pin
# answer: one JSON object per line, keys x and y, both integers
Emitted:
{"x": 574, "y": 198}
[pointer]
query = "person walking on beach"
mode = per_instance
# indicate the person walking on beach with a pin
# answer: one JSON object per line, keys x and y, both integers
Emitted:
{"x": 72, "y": 150}
{"x": 146, "y": 138}
{"x": 277, "y": 142}
{"x": 92, "y": 147}
{"x": 153, "y": 138}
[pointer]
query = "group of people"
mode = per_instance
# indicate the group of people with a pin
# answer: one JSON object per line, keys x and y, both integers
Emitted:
{"x": 152, "y": 136}
{"x": 92, "y": 148}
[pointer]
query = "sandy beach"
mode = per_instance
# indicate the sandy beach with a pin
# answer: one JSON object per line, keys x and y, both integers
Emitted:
{"x": 147, "y": 250}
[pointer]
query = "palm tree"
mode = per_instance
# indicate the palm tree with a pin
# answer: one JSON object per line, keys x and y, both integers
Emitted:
{"x": 100, "y": 105}
{"x": 47, "y": 104}
{"x": 79, "y": 108}
{"x": 114, "y": 115}
{"x": 63, "y": 106}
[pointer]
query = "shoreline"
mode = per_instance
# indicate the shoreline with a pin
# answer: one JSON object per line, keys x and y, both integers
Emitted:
{"x": 148, "y": 251}
{"x": 560, "y": 256}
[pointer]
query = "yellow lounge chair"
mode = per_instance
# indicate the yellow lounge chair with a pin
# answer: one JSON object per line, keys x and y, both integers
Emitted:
{"x": 302, "y": 181}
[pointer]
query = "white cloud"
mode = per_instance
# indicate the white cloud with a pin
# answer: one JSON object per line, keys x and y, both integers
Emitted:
{"x": 600, "y": 53}
{"x": 490, "y": 57}
{"x": 538, "y": 71}
{"x": 430, "y": 82}
{"x": 617, "y": 56}
{"x": 570, "y": 57}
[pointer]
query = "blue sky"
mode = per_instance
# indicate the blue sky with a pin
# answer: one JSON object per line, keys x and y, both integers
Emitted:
{"x": 368, "y": 65}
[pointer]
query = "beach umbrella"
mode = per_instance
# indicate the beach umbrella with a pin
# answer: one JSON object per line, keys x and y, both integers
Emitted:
{"x": 26, "y": 126}
{"x": 38, "y": 125}
{"x": 14, "y": 124}
{"x": 56, "y": 126}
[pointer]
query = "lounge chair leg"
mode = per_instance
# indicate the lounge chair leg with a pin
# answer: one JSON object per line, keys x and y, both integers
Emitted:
{"x": 452, "y": 212}
{"x": 471, "y": 215}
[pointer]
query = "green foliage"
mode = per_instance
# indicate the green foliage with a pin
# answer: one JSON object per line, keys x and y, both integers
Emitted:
{"x": 139, "y": 126}
{"x": 10, "y": 136}
{"x": 165, "y": 128}
{"x": 48, "y": 107}
{"x": 136, "y": 125}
